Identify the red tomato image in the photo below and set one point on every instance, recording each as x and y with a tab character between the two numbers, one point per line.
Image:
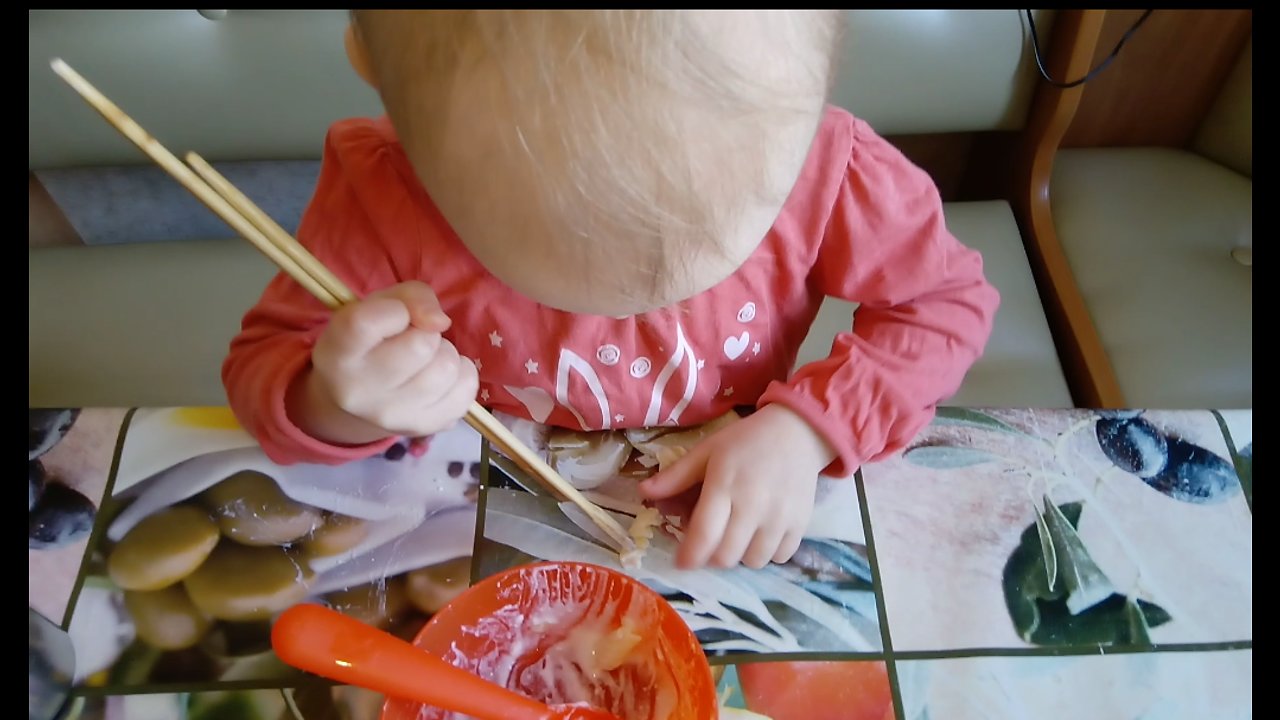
857	690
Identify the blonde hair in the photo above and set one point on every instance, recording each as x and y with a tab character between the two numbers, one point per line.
637	124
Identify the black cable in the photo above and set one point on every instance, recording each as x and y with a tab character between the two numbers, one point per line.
1035	44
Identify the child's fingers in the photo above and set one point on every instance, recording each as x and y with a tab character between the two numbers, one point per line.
710	518
422	304
789	545
463	390
684	474
764	546
441	380
451	407
398	360
436	378
361	328
737	538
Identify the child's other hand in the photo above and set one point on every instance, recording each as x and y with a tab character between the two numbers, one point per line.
758	481
383	360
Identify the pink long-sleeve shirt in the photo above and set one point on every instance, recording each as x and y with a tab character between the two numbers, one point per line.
862	224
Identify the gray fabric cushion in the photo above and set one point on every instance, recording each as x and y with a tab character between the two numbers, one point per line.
1020	367
1149	234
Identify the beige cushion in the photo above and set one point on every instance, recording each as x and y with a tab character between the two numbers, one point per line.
1020	367
138	324
1149	234
1226	134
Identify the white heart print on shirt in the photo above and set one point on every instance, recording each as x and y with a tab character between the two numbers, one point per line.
735	346
538	401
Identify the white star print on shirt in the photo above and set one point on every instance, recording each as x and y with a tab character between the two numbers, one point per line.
728	391
531	366
495	339
701	362
619	418
484	395
756	349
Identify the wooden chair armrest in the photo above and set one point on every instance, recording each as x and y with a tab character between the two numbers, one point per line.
1085	362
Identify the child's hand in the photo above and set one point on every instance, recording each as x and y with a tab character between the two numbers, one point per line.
383	361
758	481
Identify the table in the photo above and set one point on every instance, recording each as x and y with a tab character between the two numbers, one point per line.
1009	563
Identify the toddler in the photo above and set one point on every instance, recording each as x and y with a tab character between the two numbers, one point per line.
618	219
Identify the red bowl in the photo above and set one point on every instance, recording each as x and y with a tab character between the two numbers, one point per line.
512	628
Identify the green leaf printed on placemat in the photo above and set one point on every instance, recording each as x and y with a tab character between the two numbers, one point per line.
1084	581
1040	612
947	457
967	417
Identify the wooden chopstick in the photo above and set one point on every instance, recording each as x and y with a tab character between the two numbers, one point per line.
238	211
181	173
271	229
477	416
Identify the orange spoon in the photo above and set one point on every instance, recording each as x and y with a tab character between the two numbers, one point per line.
327	643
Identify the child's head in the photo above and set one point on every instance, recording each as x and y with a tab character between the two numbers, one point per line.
604	162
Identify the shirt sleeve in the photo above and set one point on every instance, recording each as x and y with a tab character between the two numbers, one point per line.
924	316
277	334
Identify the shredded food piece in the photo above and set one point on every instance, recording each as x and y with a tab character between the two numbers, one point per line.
641	531
631	559
642	527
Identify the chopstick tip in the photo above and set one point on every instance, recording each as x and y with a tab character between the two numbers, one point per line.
65	71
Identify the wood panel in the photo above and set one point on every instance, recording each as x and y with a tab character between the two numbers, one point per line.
1084	359
1162	83
990	173
945	156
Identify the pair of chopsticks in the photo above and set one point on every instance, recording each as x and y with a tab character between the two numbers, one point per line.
238	211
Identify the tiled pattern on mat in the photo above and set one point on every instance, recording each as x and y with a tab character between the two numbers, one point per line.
1007	564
